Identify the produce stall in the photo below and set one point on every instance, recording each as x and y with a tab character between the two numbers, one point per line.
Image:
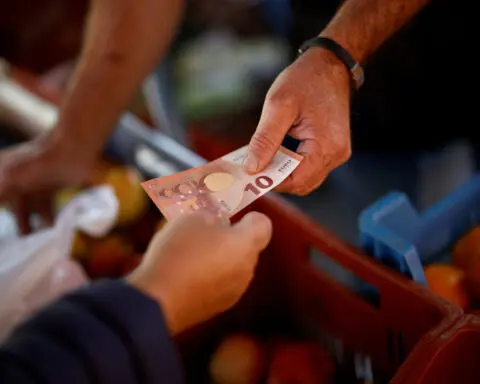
296	322
437	247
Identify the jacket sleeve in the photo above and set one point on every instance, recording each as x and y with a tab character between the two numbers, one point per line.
106	333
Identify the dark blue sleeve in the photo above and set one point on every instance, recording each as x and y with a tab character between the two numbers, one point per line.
106	333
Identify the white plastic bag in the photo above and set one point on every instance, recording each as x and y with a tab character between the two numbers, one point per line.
36	269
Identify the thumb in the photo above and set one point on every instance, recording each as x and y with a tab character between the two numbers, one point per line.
275	122
254	228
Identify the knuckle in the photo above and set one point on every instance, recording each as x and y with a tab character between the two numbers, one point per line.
280	99
345	153
262	141
305	189
302	189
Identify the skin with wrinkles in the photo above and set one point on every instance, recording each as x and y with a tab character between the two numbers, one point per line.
310	100
125	39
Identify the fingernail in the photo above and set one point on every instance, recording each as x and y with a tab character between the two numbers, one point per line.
250	164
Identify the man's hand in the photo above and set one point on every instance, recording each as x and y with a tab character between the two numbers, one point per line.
31	173
199	266
310	101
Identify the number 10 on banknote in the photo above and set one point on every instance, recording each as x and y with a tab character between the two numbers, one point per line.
221	187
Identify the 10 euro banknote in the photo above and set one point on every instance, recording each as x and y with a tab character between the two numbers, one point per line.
221	187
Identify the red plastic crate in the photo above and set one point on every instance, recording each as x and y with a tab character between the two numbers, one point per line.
289	295
451	358
405	330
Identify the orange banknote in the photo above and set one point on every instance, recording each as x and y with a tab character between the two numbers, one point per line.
221	187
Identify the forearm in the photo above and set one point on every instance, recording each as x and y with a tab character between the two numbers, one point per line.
128	325
124	41
361	26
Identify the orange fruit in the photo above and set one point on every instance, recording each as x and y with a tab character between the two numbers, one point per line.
240	359
448	282
132	199
64	196
79	246
473	279
467	250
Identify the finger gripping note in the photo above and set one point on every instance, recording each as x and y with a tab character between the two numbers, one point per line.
221	187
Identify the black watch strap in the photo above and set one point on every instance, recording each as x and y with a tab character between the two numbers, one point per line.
355	69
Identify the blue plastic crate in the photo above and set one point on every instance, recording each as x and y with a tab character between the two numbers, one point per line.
396	233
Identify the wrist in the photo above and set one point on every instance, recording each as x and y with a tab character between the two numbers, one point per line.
156	291
330	65
342	37
64	142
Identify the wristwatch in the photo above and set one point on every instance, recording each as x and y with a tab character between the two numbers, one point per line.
355	69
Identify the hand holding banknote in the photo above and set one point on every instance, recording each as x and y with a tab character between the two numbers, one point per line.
200	265
309	101
221	187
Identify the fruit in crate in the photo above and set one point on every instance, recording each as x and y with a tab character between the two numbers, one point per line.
108	257
132	200
239	359
80	246
473	279
299	362
467	250
466	255
449	282
130	264
64	196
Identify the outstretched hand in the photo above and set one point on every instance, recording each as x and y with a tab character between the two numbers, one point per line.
310	101
199	265
31	174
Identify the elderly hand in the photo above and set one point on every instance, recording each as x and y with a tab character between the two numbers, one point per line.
310	101
199	266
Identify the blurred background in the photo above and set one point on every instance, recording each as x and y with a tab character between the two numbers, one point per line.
220	99
208	92
413	131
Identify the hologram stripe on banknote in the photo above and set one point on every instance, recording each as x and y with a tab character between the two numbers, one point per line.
221	187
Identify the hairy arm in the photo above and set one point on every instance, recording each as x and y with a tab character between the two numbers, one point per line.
124	40
361	26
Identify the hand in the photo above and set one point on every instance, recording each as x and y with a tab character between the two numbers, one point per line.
310	101
31	173
199	266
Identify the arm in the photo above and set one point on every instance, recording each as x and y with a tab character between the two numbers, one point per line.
310	100
361	26
124	41
111	332
107	333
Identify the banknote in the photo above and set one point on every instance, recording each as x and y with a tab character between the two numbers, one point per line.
221	187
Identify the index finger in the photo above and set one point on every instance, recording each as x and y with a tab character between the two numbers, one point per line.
275	121
313	169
